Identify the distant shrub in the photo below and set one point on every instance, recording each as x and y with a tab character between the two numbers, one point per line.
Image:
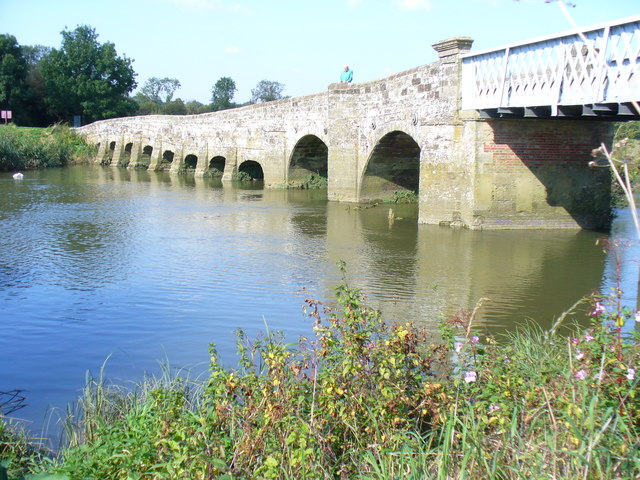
31	148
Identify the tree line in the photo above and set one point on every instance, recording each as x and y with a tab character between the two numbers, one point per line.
43	85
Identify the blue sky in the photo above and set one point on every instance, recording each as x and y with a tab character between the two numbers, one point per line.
303	44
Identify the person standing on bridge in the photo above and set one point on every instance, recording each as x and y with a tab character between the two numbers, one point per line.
347	75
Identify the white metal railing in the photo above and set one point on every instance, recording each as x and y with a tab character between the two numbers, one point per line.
597	64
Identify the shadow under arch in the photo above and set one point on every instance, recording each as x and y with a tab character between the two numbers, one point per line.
190	162
216	166
308	163
167	160
249	170
393	169
145	157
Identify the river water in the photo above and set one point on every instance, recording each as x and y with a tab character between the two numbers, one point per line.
133	268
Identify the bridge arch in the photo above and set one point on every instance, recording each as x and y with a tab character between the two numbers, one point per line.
167	160
145	156
308	162
216	166
110	154
125	157
250	170
392	169
190	162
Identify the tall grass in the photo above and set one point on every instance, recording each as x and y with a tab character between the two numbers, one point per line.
30	148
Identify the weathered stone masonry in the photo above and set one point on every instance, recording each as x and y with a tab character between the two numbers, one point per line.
401	132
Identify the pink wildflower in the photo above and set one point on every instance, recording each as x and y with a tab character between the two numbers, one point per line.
574	341
588	338
599	309
475	339
458	347
579	355
581	374
470	377
631	374
638	316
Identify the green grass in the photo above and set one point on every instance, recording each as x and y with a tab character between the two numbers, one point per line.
30	148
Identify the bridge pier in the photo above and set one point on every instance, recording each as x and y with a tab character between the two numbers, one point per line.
178	160
343	142
116	153
136	150
156	157
519	174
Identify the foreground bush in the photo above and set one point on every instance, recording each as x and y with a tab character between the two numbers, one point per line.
30	148
363	399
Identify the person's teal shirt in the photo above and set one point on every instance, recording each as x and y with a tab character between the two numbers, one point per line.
346	76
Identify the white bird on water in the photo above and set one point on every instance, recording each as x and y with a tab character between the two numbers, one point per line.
18	176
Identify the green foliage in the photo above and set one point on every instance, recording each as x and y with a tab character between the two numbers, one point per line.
87	78
630	130
13	72
222	93
267	91
310	182
160	90
241	177
19	453
403	196
23	148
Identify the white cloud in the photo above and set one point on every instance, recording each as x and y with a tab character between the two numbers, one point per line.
414	4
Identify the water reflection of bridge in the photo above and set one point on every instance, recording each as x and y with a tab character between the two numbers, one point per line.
412	272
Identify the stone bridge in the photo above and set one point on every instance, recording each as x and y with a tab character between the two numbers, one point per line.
406	132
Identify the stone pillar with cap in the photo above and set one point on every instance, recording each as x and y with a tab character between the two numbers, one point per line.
449	50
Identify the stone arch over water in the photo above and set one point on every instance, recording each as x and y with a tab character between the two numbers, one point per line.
167	159
393	168
125	158
250	170
216	166
309	159
190	162
145	157
110	153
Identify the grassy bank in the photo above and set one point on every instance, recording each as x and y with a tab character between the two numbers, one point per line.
31	148
367	400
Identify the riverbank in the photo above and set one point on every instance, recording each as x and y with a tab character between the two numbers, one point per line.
24	148
363	399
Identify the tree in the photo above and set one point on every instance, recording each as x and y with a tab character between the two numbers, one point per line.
222	93
156	86
175	107
267	91
34	111
87	78
194	107
13	72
